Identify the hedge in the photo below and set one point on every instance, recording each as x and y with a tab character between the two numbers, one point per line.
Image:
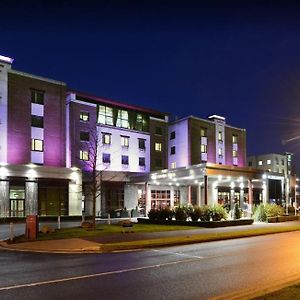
208	224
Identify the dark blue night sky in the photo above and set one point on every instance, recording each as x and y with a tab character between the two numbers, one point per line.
237	59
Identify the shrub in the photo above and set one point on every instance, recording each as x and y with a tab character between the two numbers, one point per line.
205	213
218	212
165	213
180	213
260	213
153	214
273	210
195	213
236	213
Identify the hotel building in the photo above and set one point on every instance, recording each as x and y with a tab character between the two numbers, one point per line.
34	178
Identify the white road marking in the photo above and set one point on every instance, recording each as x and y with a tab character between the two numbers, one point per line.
33	284
178	254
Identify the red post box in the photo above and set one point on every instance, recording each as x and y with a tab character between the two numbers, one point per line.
32	227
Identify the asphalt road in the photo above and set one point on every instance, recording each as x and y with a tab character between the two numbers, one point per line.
196	271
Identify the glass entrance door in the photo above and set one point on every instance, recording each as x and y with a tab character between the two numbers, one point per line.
17	208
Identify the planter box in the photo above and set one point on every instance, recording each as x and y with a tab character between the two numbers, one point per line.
208	224
282	219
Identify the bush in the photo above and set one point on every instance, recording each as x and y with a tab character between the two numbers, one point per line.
153	214
195	213
218	212
236	213
260	213
180	213
273	210
205	213
165	213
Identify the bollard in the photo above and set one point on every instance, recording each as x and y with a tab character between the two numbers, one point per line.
108	219
58	221
11	231
82	218
129	216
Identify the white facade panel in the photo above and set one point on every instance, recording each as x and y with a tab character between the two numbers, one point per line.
180	142
37	109
37	133
3	110
37	157
116	150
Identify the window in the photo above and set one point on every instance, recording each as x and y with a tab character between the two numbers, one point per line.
37	97
268	161
124	141
122	120
277	161
260	162
220	152
234	153
203	132
220	136
105	115
203	148
37	145
157	146
282	162
250	163
234	139
84	116
37	121
83	155
173	150
84	136
158	163
142	122
106	138
173	165
106	158
142	161
176	197
172	135
158	130
124	160
142	144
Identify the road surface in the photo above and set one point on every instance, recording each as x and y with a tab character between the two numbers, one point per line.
197	271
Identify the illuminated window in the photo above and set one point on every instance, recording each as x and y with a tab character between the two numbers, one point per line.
157	146
37	145
37	97
122	120
84	136
260	162
203	148
83	155
268	161
220	152
125	141
37	121
173	150
106	158
105	115
234	153
173	165
234	139
203	132
106	138
142	122
220	136
84	116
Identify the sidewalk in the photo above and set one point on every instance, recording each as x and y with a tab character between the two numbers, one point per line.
131	241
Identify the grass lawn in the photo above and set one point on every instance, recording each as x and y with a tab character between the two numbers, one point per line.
103	229
291	292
